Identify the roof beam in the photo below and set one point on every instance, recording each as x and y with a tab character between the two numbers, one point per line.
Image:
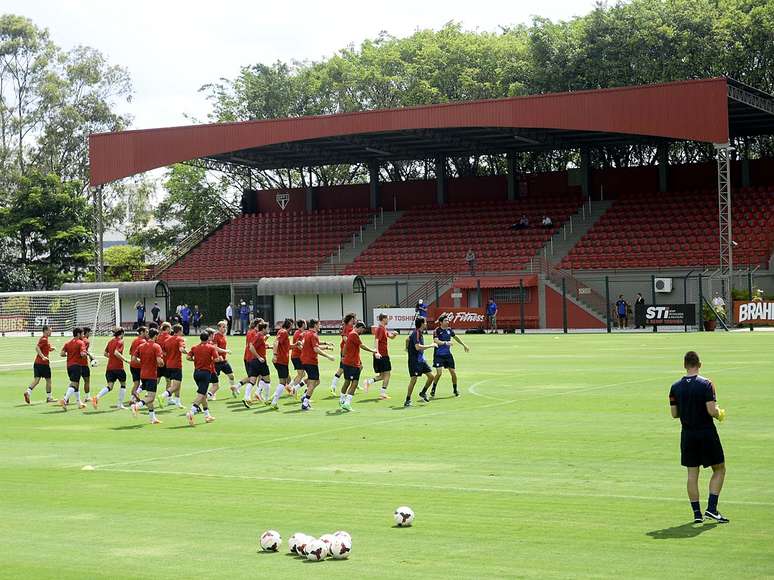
751	99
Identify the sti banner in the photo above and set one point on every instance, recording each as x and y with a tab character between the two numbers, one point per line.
759	313
466	318
397	318
670	315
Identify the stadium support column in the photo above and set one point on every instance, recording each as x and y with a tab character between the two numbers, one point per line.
510	159
726	271
585	168
662	154
373	182
99	226
440	180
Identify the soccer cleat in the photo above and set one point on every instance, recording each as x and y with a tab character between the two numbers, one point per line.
63	404
121	406
306	405
432	393
274	406
456	393
717	516
346	407
423	396
247	403
81	405
384	397
209	418
50	400
698	520
179	405
94	402
407	403
190	418
26	397
133	407
155	421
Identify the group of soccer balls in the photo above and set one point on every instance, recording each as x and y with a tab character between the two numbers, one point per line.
337	545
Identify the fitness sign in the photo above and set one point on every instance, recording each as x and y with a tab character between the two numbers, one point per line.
758	312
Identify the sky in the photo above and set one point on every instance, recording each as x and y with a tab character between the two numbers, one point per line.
171	48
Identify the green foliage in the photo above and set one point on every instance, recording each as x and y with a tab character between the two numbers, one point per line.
121	261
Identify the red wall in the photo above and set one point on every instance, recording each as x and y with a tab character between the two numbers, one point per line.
626	179
503	310
407	194
576	316
341	196
267	201
488	188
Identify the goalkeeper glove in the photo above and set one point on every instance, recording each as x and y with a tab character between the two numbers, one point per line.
721	414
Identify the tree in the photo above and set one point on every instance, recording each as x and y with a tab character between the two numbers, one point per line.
122	261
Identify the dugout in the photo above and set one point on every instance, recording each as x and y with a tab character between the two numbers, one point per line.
326	298
129	293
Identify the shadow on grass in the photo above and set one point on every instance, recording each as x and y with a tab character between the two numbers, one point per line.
186	426
689	530
362	401
127	427
101	412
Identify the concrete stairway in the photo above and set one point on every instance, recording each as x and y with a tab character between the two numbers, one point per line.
337	262
563	241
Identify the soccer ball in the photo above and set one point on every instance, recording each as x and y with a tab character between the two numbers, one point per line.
302	544
341	546
293	542
343	533
94	363
270	541
327	539
316	550
404	516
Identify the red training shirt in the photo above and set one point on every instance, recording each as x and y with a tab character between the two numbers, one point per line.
161	340
204	355
148	353
351	355
308	354
75	350
46	348
220	341
172	353
283	347
136	343
249	338
380	334
344	334
295	351
114	363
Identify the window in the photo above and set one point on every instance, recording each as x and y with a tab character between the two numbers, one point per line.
510	295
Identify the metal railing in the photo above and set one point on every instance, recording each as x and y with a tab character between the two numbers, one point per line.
427	289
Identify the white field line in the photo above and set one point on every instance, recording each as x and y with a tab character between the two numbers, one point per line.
420	486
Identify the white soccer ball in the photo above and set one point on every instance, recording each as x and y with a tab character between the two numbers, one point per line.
404	516
271	541
327	539
343	533
341	546
302	544
94	363
293	542
316	550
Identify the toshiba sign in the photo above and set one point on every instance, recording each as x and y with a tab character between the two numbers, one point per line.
754	312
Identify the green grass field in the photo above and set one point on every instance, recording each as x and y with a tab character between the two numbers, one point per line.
559	460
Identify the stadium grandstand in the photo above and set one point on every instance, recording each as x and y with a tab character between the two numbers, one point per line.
611	230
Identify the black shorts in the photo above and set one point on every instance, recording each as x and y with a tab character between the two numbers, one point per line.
282	371
74	373
223	367
85	371
417	369
162	372
443	360
351	373
247	367
174	374
258	368
111	376
149	385
135	374
382	365
701	447
202	379
297	364
40	371
312	372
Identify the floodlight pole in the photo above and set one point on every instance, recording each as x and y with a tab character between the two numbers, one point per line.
99	234
726	271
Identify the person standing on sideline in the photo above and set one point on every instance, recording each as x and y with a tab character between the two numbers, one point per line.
470	258
140	308
621	307
185	319
491	315
693	400
420	310
639	311
156	313
229	318
197	316
41	368
416	361
244	317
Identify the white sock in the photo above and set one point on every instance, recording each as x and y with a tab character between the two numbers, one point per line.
335	381
266	390
167	394
29	390
349	399
342	398
103	392
384	390
176	400
194	409
78	393
277	393
248	391
152	415
140	404
121	395
68	394
207	412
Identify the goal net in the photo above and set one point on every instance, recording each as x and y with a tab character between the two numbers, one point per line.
24	314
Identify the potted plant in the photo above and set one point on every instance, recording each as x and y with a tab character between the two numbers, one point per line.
708	315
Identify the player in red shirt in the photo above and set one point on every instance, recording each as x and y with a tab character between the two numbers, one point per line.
346	329
150	357
85	366
75	351
134	368
258	367
309	351
382	366
281	361
295	357
41	369
205	356
352	365
222	366
248	356
174	349
165	331
114	371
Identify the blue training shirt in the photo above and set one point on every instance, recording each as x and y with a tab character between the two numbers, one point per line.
444	335
491	308
414	339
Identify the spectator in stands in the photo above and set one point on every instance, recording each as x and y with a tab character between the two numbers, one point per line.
140	307
244	317
229	318
639	311
185	318
470	258
197	319
547	222
156	313
522	224
491	315
622	308
421	309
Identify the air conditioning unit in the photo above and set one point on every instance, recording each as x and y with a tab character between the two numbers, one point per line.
663	285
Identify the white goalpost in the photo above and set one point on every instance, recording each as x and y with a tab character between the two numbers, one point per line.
24	314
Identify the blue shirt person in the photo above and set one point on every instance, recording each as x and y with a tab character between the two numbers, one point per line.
421	309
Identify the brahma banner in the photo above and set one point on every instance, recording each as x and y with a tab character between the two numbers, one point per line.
759	313
466	318
397	318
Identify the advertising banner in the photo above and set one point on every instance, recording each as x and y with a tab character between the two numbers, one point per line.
757	312
397	318
670	315
466	318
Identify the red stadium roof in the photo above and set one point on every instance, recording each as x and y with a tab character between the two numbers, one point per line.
709	110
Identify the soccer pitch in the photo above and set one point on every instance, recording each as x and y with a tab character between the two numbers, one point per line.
559	460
